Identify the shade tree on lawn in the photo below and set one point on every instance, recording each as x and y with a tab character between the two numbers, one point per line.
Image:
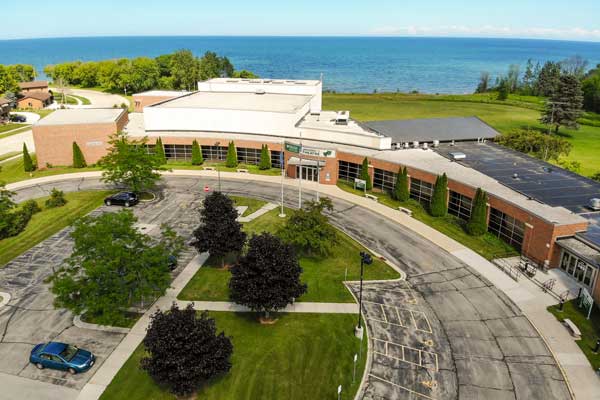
219	232
113	266
185	350
267	277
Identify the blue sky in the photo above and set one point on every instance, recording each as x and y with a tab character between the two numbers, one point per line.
571	20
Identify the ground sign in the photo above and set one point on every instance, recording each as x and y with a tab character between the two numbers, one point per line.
586	301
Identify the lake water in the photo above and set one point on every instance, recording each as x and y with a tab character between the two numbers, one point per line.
358	64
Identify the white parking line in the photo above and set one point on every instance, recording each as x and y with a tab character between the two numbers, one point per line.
402	387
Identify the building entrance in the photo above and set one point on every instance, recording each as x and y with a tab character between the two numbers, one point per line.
308	173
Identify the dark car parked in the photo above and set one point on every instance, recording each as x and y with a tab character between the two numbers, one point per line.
18	118
61	356
126	199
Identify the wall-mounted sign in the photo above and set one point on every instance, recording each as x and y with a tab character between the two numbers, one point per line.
95	143
292	147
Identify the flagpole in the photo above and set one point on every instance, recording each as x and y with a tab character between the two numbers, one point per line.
281	162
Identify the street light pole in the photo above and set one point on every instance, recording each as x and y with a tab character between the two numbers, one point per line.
282	162
300	176
218	144
365	258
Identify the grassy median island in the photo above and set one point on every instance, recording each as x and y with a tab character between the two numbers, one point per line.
323	275
252	204
49	221
488	245
590	329
301	357
514	113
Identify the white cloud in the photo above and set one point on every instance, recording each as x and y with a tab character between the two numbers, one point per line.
489	31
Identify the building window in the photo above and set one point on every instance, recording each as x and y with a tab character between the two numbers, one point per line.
384	180
348	171
248	156
460	205
577	268
181	152
506	228
214	152
276	159
421	190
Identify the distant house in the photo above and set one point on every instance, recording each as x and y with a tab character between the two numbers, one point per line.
34	100
34	87
4	110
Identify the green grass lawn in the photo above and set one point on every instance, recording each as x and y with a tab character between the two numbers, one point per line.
9	127
12	171
68	99
130	318
49	221
590	329
517	112
301	357
84	100
252	169
324	276
23	128
488	245
252	204
6	156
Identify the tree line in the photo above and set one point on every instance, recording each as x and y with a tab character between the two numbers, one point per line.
11	75
180	70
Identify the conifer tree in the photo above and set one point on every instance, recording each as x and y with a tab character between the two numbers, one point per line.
565	105
439	199
477	224
27	161
400	191
159	151
231	161
197	158
364	173
78	158
265	158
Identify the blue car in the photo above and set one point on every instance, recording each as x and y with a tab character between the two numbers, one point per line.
61	356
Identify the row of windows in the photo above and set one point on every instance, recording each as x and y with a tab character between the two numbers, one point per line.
460	205
384	180
183	152
348	171
507	228
421	190
578	269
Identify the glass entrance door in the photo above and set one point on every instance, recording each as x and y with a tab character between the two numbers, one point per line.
307	173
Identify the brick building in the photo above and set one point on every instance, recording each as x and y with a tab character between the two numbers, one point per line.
34	87
34	100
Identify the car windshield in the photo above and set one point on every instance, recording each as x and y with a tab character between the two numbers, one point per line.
69	352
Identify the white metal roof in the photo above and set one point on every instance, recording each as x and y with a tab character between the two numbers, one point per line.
274	82
78	116
162	93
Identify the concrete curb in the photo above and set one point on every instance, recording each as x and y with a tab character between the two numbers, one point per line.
95	327
5	299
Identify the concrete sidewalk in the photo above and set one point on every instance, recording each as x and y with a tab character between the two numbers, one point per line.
300	307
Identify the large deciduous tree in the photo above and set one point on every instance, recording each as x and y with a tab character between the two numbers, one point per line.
184	70
401	192
113	266
267	277
308	229
477	224
439	198
537	144
219	232
565	105
185	350
591	91
129	163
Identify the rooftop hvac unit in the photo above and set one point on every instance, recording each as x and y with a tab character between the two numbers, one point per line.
342	117
595	204
457	155
260	91
406	145
416	144
425	146
436	143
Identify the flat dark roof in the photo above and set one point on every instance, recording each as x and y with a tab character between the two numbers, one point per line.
592	235
536	179
428	130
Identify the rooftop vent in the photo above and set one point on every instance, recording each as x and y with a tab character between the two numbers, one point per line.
595	204
342	117
260	91
457	155
515	176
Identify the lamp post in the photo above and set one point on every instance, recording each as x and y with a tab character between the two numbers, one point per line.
217	144
365	258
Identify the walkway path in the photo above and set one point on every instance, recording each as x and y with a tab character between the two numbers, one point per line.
434	276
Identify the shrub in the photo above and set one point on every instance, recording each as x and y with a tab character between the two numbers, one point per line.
439	199
477	224
401	192
57	199
78	159
28	165
232	160
364	173
596	177
265	158
31	207
197	158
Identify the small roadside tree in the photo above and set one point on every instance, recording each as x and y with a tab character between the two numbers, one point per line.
364	173
267	278
219	232
265	158
129	163
401	192
439	198
185	351
56	199
197	158
28	165
159	151
308	230
477	224
113	266
565	105
78	158
231	161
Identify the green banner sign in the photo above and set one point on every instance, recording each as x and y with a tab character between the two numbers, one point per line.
292	147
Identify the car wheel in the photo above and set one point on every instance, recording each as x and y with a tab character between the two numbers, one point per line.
72	371
107	202
39	365
126	204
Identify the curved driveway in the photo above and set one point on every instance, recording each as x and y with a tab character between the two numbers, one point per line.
445	333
